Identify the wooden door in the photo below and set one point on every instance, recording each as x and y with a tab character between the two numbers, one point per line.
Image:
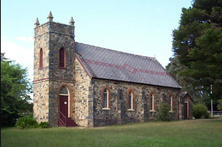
64	105
185	110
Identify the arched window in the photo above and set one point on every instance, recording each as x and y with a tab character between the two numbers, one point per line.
130	99
152	101
62	58
171	101
106	96
40	59
63	91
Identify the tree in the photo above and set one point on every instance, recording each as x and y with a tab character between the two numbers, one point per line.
219	105
197	43
15	90
174	68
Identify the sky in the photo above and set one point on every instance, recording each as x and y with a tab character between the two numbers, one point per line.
142	27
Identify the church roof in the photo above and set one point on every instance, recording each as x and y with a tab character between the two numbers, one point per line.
109	64
183	94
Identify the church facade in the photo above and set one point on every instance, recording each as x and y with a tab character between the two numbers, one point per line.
77	84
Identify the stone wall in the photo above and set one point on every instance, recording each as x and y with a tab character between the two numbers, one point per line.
41	101
41	41
41	81
119	114
61	35
51	37
82	84
181	109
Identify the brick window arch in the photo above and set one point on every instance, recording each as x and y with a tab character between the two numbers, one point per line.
170	101
106	97
130	99
152	101
41	59
62	58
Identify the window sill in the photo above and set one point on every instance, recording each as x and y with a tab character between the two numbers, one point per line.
62	67
131	110
106	109
171	111
152	111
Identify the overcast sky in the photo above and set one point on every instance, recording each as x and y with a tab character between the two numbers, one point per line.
142	27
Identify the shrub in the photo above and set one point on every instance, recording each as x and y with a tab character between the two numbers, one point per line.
207	115
26	122
199	110
163	112
219	105
43	125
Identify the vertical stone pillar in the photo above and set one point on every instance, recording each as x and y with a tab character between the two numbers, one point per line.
90	116
119	101
143	102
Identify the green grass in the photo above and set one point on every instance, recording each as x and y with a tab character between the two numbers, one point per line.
192	133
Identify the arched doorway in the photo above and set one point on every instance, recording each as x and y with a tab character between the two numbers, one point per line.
64	101
186	108
64	108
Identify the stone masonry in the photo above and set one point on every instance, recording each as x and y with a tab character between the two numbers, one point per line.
84	92
51	37
141	113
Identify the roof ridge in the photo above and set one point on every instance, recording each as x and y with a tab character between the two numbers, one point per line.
153	58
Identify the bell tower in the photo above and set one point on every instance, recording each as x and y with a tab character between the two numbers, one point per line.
54	46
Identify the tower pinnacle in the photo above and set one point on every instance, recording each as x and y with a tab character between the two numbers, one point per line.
71	22
37	22
50	17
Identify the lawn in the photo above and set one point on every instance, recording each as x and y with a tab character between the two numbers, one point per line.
203	132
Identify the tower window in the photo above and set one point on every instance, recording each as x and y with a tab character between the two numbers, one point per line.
62	58
41	59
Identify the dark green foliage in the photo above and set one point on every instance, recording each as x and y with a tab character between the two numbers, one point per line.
199	110
197	44
43	125
174	68
15	88
207	115
163	112
219	105
26	122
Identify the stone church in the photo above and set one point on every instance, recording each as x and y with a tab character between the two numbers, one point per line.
77	84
